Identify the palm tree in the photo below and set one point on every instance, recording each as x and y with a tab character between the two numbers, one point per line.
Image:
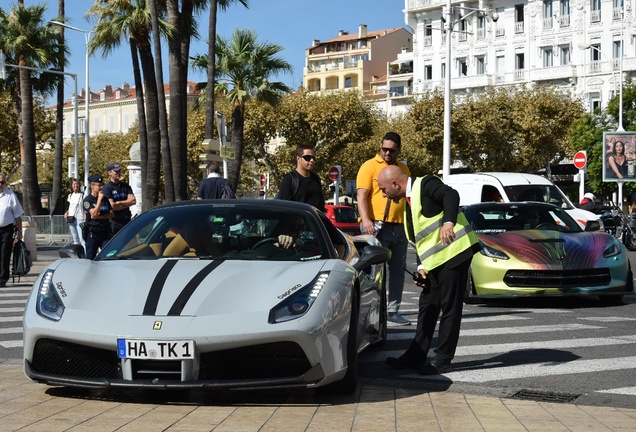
56	206
209	95
125	20
243	69
26	38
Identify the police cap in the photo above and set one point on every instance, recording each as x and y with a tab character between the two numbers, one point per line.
95	179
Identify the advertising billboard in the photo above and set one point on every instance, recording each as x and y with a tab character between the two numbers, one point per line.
620	156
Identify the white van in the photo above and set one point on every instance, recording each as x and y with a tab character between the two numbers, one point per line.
510	187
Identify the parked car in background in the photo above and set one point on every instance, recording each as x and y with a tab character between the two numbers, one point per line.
537	249
345	218
512	187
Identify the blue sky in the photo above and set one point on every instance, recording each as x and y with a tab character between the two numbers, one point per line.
293	24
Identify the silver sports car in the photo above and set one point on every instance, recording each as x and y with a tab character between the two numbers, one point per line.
227	294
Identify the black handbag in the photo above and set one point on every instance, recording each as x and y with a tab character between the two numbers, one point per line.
70	219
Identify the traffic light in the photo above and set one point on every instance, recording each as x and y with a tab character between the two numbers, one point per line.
261	193
332	187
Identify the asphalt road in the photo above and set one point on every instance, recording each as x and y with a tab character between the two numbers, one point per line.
569	349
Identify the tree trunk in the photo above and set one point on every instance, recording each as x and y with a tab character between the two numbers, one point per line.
238	121
161	100
153	167
209	95
30	183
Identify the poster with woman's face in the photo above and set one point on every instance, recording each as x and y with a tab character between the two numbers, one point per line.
620	156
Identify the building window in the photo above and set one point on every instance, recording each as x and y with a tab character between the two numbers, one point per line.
428	72
481	65
519	18
96	125
111	124
595	102
443	70
564	9
547	14
500	68
595	11
462	35
616	53
519	66
428	35
481	27
564	55
548	57
81	127
462	67
347	82
500	29
126	122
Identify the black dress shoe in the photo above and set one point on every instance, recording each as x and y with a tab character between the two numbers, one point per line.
435	367
402	362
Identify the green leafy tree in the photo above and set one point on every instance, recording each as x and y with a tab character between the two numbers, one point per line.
629	106
27	40
244	68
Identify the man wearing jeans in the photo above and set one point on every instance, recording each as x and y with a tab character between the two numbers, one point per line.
376	210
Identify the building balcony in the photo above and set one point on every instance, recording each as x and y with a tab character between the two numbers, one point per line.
552	73
564	20
519	27
471	81
595	16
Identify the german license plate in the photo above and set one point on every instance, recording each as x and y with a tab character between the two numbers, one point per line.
155	349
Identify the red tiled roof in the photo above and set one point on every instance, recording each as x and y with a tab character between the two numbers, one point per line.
354	36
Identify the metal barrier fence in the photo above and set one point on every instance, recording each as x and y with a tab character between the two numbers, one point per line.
48	225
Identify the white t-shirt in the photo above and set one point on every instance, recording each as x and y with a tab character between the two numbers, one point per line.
10	208
75	205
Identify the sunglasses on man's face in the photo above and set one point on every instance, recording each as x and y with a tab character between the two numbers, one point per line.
388	150
308	157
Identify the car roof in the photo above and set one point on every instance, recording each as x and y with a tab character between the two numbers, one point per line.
273	203
515	204
506	178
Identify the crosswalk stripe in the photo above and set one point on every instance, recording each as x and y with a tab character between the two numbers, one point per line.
12	310
501	373
631	391
12	344
11	330
12	302
19	294
527	329
17	318
607	319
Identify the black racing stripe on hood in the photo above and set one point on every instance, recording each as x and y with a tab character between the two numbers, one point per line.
180	302
150	308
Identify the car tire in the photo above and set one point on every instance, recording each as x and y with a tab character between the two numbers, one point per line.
349	383
470	290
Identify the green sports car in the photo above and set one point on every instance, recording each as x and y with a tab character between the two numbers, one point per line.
537	249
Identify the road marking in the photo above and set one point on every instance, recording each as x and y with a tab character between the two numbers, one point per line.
528	329
474	350
539	311
608	319
19	294
12	344
12	302
18	309
16	318
11	330
493	372
631	391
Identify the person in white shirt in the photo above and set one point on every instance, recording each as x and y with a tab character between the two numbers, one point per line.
10	222
74	216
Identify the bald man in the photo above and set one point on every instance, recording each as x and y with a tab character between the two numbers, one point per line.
445	244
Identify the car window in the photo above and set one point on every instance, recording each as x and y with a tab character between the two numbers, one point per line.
540	193
219	232
345	215
505	218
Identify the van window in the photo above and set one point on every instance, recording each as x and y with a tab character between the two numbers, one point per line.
490	194
541	193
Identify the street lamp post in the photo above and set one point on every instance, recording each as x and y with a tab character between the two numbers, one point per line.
446	157
87	100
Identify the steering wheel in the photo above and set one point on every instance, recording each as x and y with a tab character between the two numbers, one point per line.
265	241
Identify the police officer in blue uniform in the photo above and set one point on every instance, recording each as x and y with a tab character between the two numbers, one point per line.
121	197
97	213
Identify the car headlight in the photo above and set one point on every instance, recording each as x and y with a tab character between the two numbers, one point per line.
491	252
49	305
298	303
611	251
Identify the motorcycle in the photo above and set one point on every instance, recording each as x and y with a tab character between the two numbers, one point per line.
619	225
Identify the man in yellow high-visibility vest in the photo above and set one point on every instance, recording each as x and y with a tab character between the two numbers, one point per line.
445	244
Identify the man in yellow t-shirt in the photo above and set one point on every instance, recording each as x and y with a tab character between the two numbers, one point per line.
372	207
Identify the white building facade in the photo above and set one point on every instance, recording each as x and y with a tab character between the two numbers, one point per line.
573	44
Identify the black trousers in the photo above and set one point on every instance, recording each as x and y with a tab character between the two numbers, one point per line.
448	286
6	248
96	241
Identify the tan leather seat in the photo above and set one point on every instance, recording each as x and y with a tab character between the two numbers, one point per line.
177	247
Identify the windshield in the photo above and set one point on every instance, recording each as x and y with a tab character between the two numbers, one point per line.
345	215
541	193
218	232
498	218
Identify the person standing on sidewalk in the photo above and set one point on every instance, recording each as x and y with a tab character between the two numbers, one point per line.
445	244
121	197
302	184
97	212
74	216
10	223
375	210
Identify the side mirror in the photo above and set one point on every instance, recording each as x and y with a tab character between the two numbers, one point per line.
372	255
72	251
592	225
